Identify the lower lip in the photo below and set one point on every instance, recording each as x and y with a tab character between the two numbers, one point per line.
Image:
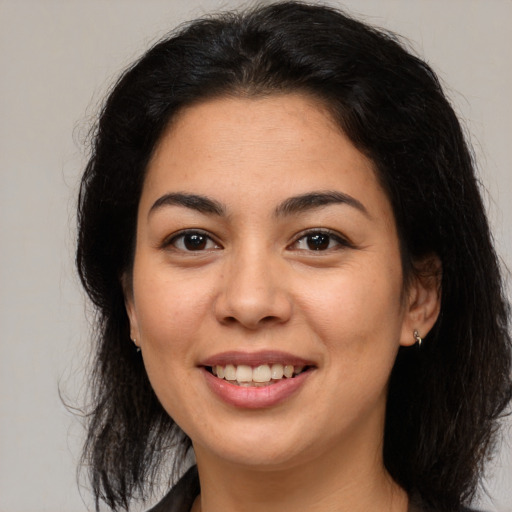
255	397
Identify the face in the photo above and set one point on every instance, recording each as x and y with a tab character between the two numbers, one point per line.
267	292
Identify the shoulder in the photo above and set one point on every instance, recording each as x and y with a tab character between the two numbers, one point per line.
181	497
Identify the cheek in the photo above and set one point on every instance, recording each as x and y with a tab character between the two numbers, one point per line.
356	302
168	309
357	317
361	332
171	315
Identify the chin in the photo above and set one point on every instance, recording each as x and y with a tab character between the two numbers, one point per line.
258	447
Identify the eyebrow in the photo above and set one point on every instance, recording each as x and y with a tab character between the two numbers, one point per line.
196	202
290	206
312	200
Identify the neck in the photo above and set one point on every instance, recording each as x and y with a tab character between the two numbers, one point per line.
336	482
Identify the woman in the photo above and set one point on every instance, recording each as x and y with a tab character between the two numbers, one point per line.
281	213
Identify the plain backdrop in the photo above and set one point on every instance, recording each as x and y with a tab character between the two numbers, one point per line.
57	59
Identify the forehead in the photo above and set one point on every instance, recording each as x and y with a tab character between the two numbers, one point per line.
257	147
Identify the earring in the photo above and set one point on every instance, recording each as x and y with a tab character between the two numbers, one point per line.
136	346
418	338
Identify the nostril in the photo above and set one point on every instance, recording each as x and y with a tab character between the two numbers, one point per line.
269	319
251	323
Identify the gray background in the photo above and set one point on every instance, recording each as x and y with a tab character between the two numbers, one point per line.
57	59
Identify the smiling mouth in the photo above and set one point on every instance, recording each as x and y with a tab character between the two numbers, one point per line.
257	376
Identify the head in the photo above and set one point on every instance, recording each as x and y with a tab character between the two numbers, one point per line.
389	107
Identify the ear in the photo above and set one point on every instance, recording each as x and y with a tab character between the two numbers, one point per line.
423	300
126	283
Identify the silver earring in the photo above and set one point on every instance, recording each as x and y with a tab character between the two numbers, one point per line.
136	346
417	337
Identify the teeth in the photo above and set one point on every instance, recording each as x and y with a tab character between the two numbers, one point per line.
277	371
261	375
288	371
243	373
229	372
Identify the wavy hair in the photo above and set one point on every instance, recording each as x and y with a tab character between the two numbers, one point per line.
445	399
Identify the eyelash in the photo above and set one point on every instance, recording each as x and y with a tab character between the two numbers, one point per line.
206	238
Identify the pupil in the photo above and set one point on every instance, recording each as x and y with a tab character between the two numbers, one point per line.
318	242
195	242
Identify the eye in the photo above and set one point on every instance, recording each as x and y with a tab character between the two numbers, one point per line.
320	240
193	241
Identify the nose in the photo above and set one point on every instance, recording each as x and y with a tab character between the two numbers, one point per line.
253	292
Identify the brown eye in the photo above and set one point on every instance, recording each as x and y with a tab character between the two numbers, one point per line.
193	241
318	241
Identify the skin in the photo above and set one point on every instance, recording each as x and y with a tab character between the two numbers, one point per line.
255	284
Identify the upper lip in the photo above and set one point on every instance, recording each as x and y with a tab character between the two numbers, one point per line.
255	359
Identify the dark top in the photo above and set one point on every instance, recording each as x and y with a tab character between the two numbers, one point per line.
182	496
